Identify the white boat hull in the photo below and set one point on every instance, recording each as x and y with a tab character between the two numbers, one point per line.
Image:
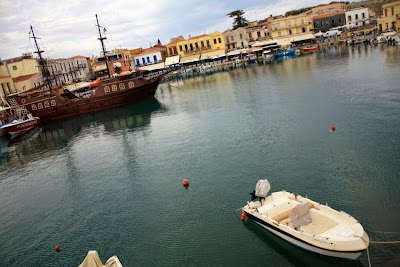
322	230
303	245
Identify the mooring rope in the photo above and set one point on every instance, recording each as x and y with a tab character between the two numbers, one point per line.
369	261
381	232
385	242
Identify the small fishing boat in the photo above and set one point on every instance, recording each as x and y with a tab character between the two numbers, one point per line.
290	52
20	125
310	49
306	223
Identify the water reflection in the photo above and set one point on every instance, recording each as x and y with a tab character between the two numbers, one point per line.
56	135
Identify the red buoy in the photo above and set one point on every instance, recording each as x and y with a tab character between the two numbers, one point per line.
243	216
185	182
333	128
58	248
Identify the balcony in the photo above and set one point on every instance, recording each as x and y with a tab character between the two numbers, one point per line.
81	66
57	72
74	69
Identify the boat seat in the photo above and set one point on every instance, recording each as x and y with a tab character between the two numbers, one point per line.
285	215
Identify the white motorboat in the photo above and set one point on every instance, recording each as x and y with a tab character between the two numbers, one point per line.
306	223
93	260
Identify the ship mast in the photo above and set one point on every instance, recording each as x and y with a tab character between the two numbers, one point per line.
101	38
42	63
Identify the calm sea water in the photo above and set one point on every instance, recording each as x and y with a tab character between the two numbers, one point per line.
112	181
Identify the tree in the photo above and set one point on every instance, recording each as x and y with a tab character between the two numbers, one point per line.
239	20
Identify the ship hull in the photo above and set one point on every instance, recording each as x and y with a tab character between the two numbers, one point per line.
109	94
19	127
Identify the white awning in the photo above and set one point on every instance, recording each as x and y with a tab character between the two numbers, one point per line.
117	65
190	59
233	53
213	54
76	86
153	67
255	49
303	37
100	67
172	60
264	43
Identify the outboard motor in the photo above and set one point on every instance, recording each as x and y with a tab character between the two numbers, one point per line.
262	189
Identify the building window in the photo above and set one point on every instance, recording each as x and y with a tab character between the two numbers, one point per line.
208	43
155	58
191	46
315	26
385	12
250	35
233	45
258	34
232	38
180	48
61	66
215	41
137	62
175	52
392	11
356	16
219	40
322	23
340	20
349	18
333	21
242	44
363	15
14	67
170	51
186	47
327	23
65	66
290	32
143	61
148	59
202	43
241	36
196	45
303	29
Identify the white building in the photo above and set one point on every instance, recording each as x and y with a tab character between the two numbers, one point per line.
148	57
69	70
357	17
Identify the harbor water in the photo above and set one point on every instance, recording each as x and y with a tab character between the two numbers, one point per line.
112	181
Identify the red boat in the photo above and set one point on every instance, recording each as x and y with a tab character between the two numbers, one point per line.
309	49
21	125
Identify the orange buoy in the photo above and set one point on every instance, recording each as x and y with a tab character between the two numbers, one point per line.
58	248
185	182
333	128
243	216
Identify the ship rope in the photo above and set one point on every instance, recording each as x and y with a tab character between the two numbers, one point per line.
380	242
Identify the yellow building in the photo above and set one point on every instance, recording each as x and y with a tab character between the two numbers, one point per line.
6	86
290	25
205	45
390	17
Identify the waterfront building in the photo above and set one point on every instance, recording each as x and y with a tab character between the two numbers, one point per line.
24	70
291	25
357	17
6	86
257	32
390	17
69	70
126	54
133	53
329	8
151	58
205	45
235	39
116	63
327	21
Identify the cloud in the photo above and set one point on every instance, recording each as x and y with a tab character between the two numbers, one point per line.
67	28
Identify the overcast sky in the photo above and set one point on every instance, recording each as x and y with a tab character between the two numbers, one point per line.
67	28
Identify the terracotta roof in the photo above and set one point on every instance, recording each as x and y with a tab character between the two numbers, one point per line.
161	46
78	57
327	15
2	77
23	78
198	36
176	40
148	51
